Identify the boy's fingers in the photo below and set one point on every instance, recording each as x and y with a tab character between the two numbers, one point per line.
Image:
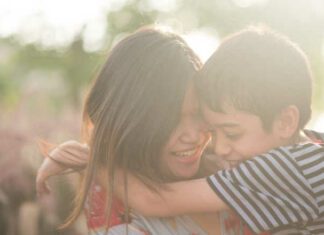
74	145
68	154
50	168
76	154
46	170
72	157
42	186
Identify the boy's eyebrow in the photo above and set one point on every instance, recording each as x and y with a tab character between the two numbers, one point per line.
224	125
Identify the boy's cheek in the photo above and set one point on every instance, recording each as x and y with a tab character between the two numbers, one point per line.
246	150
250	150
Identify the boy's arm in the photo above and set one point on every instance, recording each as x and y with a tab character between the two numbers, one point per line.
174	199
268	192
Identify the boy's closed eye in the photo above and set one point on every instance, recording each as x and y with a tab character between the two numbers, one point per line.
232	132
229	134
233	135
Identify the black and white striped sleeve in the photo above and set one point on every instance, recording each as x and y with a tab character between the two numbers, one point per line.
269	191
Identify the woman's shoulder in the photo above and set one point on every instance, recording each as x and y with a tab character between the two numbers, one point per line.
95	208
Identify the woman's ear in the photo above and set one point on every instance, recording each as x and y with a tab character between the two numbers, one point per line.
287	122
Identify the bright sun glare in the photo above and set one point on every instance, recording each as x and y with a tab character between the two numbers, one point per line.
203	42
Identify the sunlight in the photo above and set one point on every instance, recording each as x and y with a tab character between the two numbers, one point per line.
318	123
204	42
54	23
163	5
247	3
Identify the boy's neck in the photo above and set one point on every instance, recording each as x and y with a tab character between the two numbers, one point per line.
299	137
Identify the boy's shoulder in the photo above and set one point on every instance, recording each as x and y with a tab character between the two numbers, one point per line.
307	156
313	141
304	153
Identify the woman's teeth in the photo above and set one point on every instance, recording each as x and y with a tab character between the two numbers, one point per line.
185	154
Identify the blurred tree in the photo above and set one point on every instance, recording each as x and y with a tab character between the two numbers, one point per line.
301	20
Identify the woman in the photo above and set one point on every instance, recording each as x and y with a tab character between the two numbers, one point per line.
145	84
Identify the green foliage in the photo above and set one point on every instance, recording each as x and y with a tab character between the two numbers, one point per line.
301	20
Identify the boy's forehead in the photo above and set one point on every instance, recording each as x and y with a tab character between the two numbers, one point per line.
229	117
226	110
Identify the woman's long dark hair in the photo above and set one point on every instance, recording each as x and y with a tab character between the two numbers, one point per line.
134	105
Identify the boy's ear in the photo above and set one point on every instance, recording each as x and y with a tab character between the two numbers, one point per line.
286	122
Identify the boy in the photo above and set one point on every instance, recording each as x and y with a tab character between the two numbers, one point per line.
256	96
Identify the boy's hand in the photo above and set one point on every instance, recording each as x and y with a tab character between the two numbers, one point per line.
70	154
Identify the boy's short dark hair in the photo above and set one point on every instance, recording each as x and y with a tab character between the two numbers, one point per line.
258	71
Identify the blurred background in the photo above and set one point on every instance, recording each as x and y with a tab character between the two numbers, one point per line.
50	51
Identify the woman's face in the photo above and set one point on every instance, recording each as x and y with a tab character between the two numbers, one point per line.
181	156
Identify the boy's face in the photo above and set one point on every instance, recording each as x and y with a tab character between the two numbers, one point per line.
238	135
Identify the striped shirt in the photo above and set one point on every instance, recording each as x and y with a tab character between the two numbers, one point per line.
281	191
